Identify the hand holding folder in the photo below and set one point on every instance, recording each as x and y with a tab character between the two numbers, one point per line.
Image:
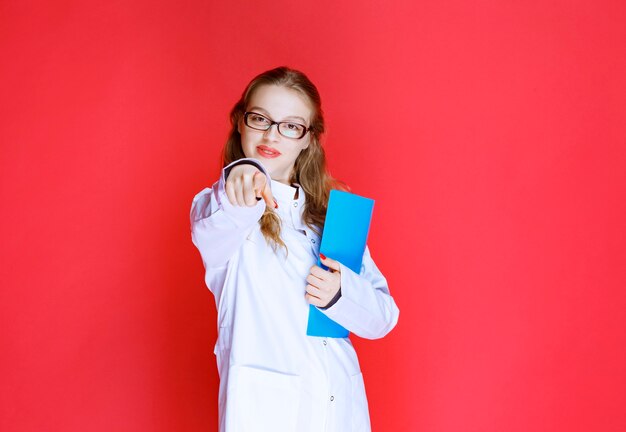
344	239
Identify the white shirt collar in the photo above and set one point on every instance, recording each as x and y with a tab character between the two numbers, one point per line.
289	207
286	194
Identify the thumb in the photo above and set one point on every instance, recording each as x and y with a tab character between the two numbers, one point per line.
262	187
330	263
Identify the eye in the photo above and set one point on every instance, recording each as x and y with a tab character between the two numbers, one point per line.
293	126
258	118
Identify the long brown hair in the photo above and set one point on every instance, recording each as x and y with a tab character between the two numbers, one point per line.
309	171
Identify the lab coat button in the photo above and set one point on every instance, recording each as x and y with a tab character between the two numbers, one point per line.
295	204
324	342
313	241
332	398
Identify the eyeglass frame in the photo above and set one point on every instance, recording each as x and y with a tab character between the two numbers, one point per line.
272	123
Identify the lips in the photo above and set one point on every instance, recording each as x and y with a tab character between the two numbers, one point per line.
267	152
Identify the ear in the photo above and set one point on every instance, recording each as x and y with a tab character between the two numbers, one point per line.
239	124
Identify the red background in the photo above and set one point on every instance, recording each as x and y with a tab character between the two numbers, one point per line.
491	134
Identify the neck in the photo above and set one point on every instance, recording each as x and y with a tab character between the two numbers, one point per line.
281	177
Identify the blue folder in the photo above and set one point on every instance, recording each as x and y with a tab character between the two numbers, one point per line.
344	239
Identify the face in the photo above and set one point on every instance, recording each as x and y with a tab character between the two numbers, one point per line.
277	153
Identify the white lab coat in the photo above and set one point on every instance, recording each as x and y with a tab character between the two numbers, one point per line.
273	377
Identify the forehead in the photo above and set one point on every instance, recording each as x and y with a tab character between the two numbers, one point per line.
281	102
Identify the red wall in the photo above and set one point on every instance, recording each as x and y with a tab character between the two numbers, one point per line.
491	134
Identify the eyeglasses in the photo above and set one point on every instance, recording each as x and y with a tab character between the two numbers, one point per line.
287	129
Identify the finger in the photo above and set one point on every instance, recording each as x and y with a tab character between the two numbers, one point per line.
239	193
313	300
258	180
325	289
313	290
248	191
262	188
314	280
230	193
319	273
330	263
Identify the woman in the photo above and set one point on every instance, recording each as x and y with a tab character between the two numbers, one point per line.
258	232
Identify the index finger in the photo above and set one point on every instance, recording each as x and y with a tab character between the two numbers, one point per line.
262	187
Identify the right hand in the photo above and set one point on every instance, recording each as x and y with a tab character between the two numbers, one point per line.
246	185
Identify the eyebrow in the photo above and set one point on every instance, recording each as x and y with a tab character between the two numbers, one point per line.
256	108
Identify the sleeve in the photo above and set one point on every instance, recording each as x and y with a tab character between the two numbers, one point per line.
218	228
365	306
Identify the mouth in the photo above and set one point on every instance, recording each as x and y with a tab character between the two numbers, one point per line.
267	152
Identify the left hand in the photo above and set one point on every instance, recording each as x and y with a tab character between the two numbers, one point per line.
323	284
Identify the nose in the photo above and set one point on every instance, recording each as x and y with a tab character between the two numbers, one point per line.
272	133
